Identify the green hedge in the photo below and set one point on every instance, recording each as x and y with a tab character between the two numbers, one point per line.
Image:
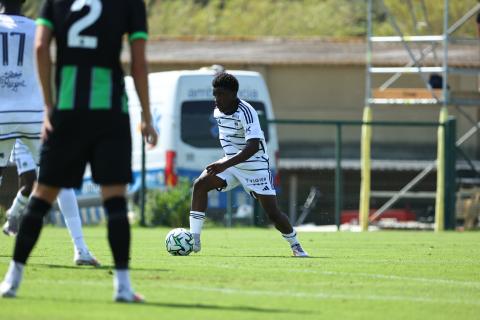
170	207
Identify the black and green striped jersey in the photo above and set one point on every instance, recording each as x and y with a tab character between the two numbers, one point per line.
89	35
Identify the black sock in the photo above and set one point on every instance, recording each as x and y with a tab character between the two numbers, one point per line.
118	230
30	228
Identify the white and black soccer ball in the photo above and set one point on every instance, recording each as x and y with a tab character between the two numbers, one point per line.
179	242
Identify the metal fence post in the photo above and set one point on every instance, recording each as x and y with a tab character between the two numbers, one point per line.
365	154
441	170
229	208
450	173
338	175
293	206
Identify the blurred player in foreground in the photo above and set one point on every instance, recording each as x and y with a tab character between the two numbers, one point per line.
89	122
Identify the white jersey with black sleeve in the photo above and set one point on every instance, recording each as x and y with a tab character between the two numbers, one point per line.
21	102
236	129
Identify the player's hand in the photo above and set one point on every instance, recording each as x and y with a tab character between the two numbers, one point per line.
216	167
47	128
149	134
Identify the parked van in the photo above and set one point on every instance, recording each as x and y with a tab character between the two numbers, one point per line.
182	110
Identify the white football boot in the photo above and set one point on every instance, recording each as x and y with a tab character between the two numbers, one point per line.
85	258
124	295
298	251
8	290
197	244
11	282
10	228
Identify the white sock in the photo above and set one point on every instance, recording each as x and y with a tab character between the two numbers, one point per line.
14	273
196	221
291	238
69	207
121	280
19	203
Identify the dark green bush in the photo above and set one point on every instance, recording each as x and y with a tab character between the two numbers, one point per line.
169	207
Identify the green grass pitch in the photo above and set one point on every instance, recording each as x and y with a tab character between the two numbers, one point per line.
249	274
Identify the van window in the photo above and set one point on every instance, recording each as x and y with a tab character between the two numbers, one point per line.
199	129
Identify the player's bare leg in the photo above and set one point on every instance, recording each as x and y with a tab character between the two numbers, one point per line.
281	222
201	187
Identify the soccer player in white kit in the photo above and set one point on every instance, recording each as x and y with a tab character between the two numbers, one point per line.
245	163
67	201
21	111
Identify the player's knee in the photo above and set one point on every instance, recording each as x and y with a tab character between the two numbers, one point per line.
115	208
273	213
26	190
201	184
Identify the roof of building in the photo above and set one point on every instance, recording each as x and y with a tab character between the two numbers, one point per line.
285	51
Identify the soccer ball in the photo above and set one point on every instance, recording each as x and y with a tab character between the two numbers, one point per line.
179	242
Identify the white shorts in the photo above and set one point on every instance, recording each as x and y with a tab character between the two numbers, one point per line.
23	158
259	181
25	146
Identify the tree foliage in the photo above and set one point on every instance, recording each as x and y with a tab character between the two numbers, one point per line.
297	18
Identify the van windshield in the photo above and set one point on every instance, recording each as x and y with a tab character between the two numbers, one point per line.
199	128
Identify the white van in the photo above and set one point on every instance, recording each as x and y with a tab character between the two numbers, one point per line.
182	111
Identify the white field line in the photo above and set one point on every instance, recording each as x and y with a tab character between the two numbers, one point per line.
323	296
471	284
447	282
269	294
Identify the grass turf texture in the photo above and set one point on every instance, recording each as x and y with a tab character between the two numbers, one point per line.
249	274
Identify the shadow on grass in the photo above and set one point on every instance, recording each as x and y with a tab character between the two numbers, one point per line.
103	267
260	256
222	308
177	305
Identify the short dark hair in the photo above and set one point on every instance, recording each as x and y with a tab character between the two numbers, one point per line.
226	81
11	2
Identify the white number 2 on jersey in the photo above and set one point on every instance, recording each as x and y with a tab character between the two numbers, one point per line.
75	40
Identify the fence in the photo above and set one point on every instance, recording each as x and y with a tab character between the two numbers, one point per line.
445	196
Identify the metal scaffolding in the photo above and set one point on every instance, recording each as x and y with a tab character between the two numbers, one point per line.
427	95
385	95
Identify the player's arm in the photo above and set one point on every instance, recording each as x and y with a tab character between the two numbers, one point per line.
140	78
43	37
250	149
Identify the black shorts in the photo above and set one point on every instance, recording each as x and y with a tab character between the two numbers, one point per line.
100	138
